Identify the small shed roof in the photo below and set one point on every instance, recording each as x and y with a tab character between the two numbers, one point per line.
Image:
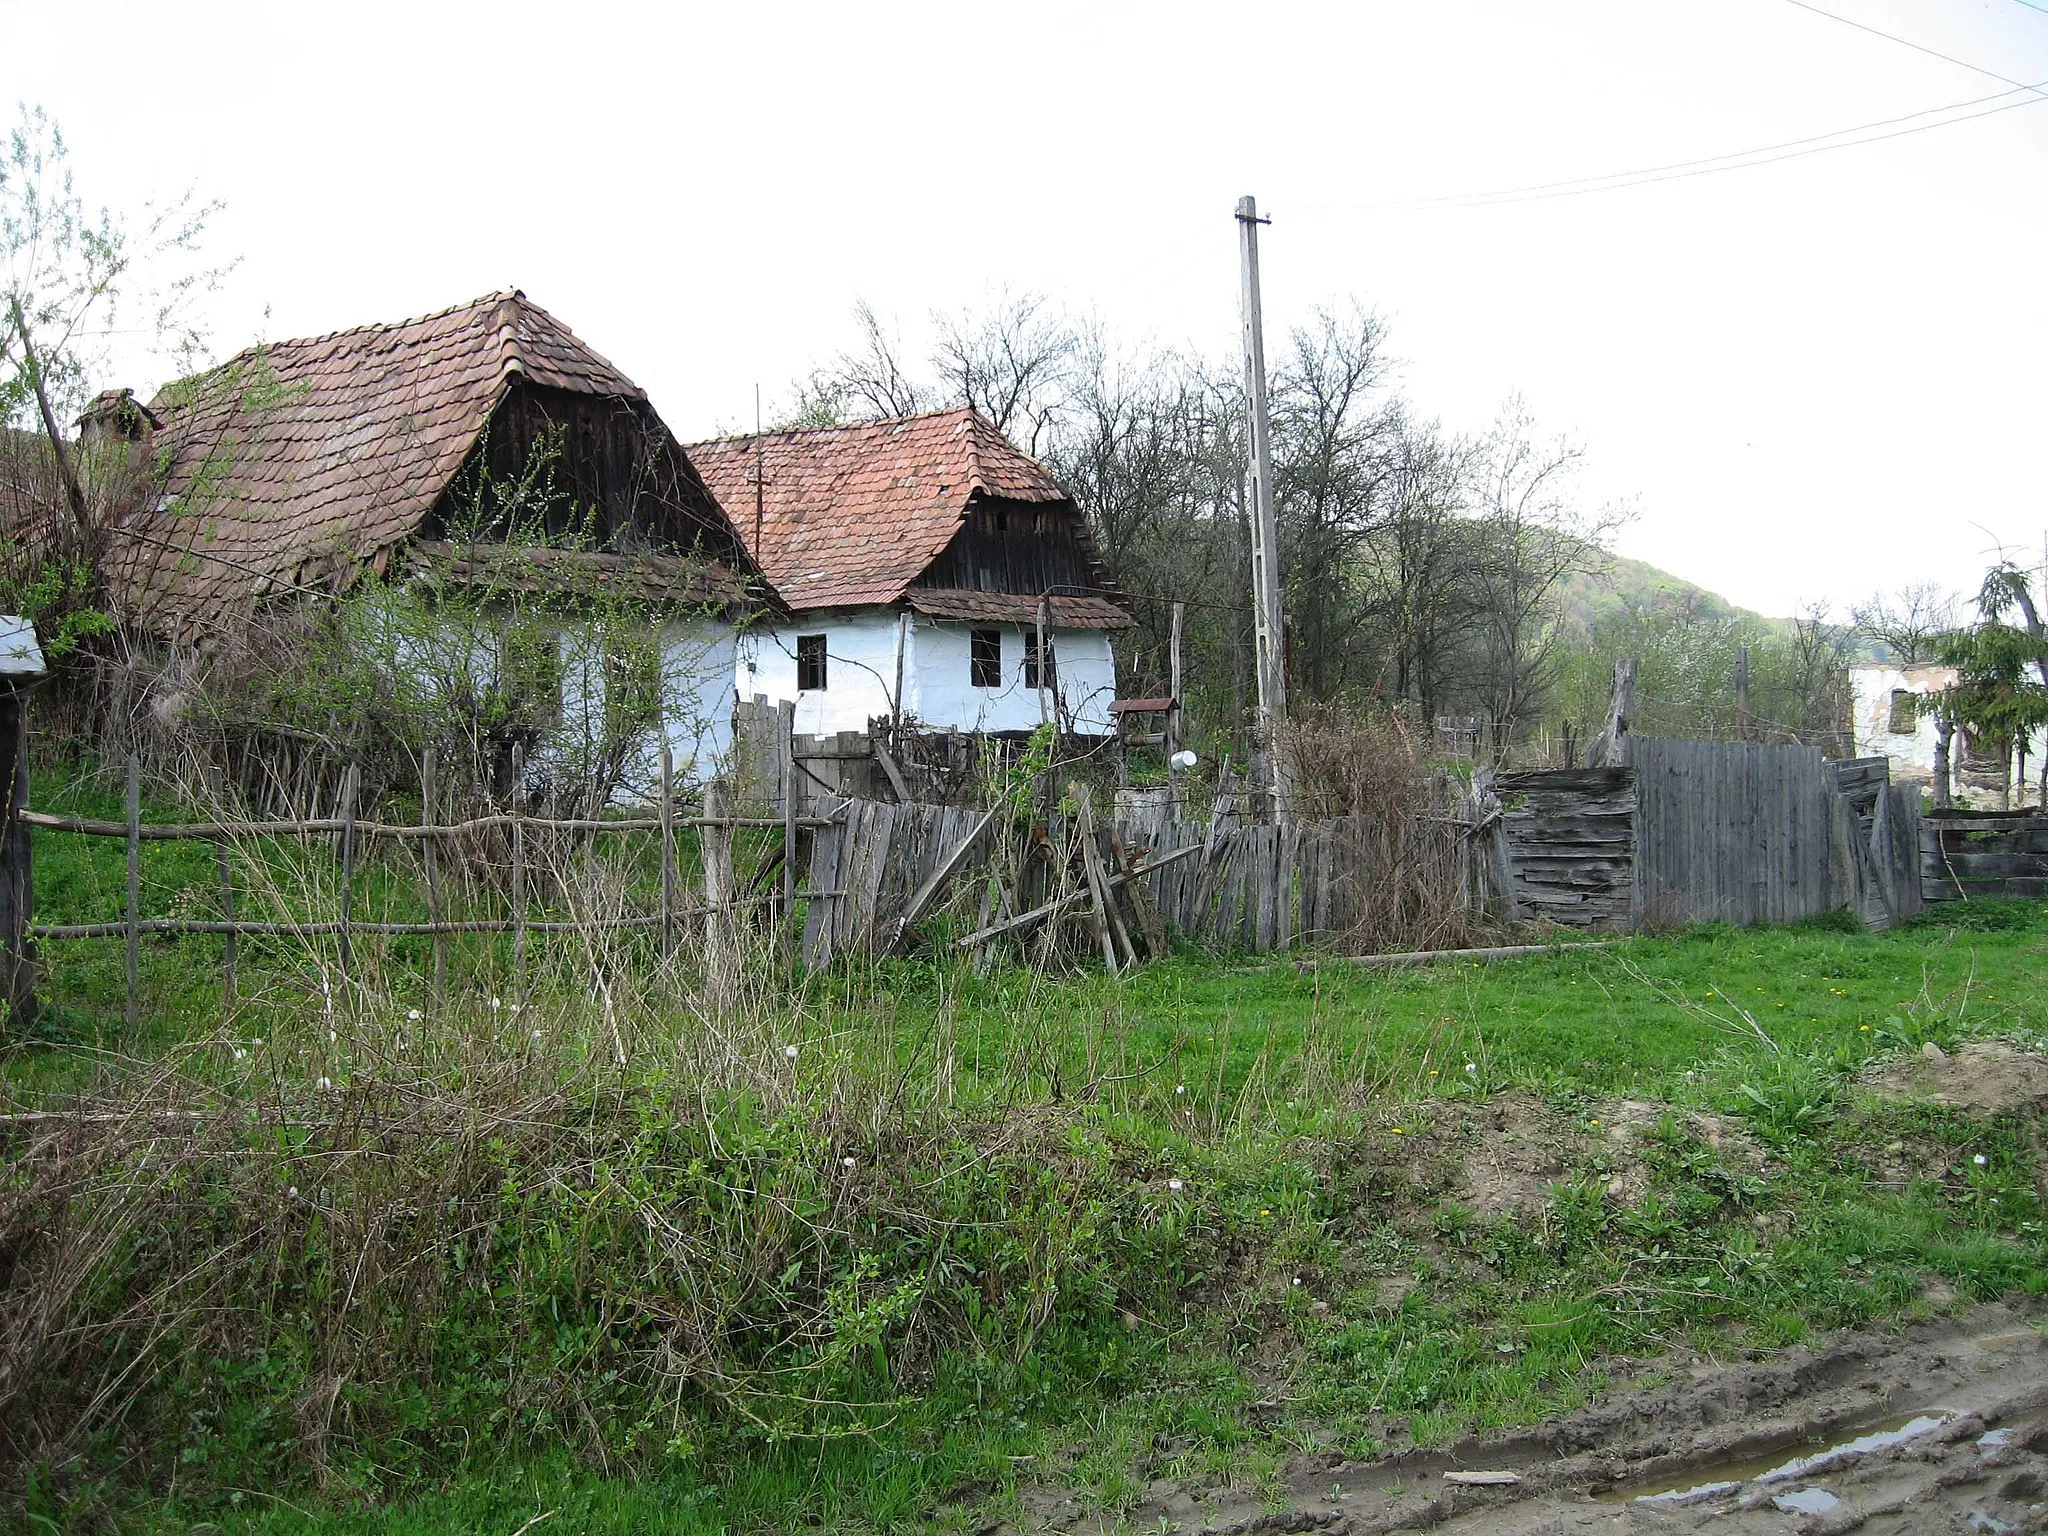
20	656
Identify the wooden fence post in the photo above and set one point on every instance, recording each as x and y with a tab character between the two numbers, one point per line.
785	719
429	816
134	935
231	942
348	867
518	878
668	851
17	872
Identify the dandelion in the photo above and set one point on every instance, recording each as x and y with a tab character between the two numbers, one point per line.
1397	1130
292	1193
846	1162
1980	1160
332	1037
240	1054
323	1085
1862	1029
1432	1071
1264	1213
412	1015
789	1051
1175	1185
1596	1122
1297	1279
1471	1066
257	1043
496	1005
1180	1088
536	1034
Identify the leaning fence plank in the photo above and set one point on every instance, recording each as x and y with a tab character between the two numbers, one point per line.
827	845
785	738
134	933
936	882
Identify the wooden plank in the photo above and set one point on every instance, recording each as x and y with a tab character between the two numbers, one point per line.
936	880
827	843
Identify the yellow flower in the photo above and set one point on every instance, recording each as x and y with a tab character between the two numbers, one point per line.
1862	1029
1397	1130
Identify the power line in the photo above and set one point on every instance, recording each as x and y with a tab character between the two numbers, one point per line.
1903	42
1740	159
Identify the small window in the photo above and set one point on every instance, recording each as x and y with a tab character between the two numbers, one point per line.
985	658
1905	712
1036	676
810	663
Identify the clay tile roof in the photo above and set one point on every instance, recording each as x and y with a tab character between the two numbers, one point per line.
851	515
303	462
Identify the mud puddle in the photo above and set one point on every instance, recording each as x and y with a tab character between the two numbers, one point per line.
1934	1429
1772	1467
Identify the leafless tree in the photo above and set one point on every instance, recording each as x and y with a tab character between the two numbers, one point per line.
1906	622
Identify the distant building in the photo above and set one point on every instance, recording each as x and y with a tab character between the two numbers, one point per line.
1894	716
913	555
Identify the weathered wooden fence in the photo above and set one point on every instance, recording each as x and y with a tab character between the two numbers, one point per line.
1570	839
1875	831
1984	854
1730	831
505	839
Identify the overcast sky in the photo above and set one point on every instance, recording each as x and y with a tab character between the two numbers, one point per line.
1814	378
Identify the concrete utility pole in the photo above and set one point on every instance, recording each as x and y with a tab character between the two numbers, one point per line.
1268	661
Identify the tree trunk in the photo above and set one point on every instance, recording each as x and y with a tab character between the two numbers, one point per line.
17	886
1944	737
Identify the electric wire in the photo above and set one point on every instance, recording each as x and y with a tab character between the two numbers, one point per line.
1644	175
1906	42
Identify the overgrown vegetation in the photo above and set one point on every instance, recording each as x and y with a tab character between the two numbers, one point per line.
890	1249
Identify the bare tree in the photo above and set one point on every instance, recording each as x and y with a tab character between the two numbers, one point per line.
1010	362
1907	622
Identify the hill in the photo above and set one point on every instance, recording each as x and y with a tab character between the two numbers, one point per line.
1624	586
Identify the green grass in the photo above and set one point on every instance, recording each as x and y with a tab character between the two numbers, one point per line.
1018	1290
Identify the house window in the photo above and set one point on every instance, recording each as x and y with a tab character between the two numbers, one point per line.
1905	712
985	658
1036	676
810	663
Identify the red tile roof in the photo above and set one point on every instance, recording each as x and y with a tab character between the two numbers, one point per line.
304	463
1017	608
852	515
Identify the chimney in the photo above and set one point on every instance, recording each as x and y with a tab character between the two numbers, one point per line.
115	416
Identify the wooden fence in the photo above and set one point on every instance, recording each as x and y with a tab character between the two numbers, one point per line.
509	834
1983	854
1570	839
1730	831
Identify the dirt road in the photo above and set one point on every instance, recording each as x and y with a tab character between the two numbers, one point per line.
1940	1429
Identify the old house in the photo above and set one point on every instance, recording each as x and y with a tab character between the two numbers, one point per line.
481	455
919	559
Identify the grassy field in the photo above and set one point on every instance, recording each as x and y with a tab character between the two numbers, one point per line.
903	1248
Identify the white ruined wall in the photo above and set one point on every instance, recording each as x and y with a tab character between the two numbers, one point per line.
1911	753
861	672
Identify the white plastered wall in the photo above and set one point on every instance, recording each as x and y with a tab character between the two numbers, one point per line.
1911	752
861	647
